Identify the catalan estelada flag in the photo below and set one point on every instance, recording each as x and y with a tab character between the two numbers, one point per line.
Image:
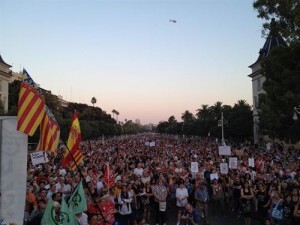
31	106
49	132
73	145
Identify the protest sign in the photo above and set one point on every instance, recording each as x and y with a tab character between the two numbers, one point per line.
233	163
152	144
214	176
194	167
224	168
38	157
251	162
224	150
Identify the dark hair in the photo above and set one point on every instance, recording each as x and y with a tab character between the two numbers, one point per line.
90	216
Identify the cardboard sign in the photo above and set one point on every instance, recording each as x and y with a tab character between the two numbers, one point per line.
251	162
224	150
233	163
214	176
152	144
39	158
224	168
194	167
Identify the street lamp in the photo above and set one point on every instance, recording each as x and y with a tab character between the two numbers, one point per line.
296	112
221	124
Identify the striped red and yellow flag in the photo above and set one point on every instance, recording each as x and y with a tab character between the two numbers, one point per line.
74	153
49	133
78	156
31	106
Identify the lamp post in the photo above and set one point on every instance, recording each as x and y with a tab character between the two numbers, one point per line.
296	112
221	124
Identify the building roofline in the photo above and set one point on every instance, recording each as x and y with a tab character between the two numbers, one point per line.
3	62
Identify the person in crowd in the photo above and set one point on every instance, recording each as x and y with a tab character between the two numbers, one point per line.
191	215
31	202
247	197
37	214
145	199
82	218
288	209
218	198
160	196
125	211
263	202
202	198
236	195
276	209
94	219
182	196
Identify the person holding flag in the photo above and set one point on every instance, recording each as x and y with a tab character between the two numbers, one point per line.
56	214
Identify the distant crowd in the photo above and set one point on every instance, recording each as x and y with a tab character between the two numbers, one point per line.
153	182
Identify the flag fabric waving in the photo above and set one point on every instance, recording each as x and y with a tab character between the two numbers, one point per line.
108	177
66	215
49	214
77	202
78	157
73	144
31	106
49	132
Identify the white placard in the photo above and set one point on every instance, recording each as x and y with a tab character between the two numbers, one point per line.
13	167
214	176
194	167
152	144
251	162
233	163
224	150
39	157
224	168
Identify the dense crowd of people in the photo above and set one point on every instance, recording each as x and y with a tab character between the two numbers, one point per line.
153	182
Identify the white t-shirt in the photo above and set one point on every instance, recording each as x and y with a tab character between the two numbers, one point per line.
138	171
99	185
66	188
181	193
83	220
178	170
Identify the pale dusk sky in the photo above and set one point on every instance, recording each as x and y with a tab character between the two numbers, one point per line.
129	55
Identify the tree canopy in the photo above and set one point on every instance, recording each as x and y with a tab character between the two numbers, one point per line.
285	12
282	87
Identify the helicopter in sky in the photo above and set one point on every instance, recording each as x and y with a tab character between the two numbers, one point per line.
172	21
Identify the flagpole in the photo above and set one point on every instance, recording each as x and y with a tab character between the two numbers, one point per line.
84	181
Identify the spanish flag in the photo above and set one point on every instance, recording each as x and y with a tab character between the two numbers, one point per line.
73	152
31	106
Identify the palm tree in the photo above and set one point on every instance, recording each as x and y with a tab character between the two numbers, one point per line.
187	116
93	101
204	113
113	112
117	113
